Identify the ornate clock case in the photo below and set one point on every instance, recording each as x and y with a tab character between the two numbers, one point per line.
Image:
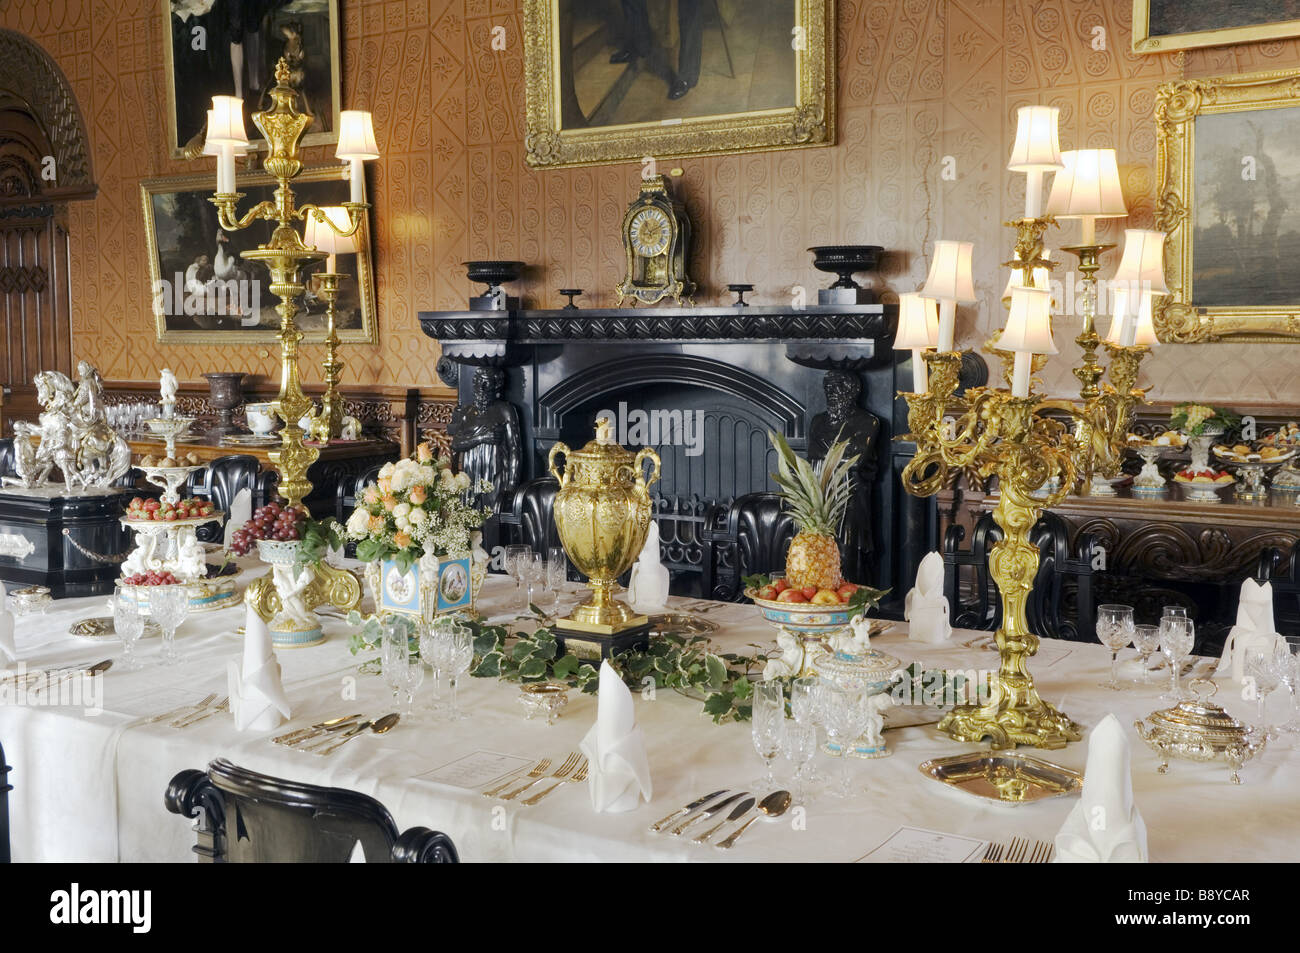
656	240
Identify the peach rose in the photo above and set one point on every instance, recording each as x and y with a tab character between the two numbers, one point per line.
402	540
390	502
419	494
376	525
424	453
371	495
385	485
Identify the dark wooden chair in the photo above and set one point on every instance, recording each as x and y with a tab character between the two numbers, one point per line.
1286	585
245	817
5	788
220	482
526	516
7	457
751	535
1061	605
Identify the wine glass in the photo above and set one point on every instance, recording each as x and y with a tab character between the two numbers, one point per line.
532	570
798	746
1146	639
1289	645
514	566
557	574
1115	631
168	606
460	653
1262	667
394	656
128	623
413	678
847	712
1177	634
806	696
428	653
767	726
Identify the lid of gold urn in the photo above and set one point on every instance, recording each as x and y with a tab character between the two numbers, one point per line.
604	448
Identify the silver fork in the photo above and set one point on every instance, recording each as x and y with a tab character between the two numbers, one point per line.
992	854
563	771
182	710
538	770
186	721
576	778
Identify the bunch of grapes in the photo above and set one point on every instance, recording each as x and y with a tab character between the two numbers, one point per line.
1197	414
272	521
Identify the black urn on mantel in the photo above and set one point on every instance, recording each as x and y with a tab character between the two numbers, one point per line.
845	261
494	274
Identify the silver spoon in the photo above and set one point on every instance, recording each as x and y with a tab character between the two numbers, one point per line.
379	726
774	805
740	810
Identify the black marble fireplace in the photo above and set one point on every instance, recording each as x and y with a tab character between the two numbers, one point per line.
701	385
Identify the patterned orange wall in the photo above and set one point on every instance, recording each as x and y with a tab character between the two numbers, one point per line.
919	80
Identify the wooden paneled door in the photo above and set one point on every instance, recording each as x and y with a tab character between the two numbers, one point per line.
35	304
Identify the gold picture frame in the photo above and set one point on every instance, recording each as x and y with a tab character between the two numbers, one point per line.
1208	207
297	30
1144	41
808	119
177	207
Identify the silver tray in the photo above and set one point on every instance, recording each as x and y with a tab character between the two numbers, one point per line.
1005	778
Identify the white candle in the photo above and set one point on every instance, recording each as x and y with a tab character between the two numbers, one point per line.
1089	236
358	180
1020	374
330	262
1034	193
947	323
920	377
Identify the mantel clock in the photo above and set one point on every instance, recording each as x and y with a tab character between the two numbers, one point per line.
657	240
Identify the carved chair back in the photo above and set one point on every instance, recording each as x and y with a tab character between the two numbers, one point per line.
1286	585
1062	604
220	482
246	817
529	519
7	457
749	536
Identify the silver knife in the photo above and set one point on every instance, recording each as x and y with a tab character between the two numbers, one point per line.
708	812
659	825
739	811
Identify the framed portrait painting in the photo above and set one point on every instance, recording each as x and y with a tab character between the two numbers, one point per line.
205	293
231	47
618	80
1160	26
1228	157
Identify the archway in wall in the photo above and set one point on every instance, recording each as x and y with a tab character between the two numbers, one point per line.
44	164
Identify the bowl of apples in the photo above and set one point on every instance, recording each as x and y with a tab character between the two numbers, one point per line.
809	611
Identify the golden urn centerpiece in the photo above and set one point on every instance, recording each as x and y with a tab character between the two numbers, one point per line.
602	513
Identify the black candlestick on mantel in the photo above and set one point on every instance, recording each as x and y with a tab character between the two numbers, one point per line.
571	293
740	291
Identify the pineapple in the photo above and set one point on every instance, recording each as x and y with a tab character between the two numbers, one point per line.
817	498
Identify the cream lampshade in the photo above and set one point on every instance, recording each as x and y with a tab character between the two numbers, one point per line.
226	138
1037	150
211	148
1141	330
918	329
320	236
1028	332
1088	189
356	145
950	284
1143	263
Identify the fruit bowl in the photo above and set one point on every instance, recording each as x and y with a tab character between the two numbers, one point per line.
806	618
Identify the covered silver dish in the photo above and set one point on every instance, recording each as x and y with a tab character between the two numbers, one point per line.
1199	730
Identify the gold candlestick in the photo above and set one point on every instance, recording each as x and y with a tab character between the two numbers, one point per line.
329	423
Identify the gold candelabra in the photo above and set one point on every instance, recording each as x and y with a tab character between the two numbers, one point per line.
1026	444
329	423
283	126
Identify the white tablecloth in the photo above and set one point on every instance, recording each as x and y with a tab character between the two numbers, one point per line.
90	788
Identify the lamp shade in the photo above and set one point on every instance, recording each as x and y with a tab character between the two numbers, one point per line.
950	273
1038	146
320	236
918	322
356	135
1143	264
1146	327
211	148
1029	325
1088	185
226	122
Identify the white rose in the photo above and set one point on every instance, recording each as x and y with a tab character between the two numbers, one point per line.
357	522
386	470
447	479
419	517
401	510
402	523
462	481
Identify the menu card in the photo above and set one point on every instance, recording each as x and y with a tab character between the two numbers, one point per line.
477	769
915	845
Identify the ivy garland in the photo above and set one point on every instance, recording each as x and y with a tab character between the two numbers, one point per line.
683	663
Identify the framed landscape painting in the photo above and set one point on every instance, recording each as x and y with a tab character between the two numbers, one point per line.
230	48
617	80
204	293
1228	154
1163	25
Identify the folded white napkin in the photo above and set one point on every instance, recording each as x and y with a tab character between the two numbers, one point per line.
1254	628
647	590
241	511
925	608
257	698
618	773
7	648
1105	826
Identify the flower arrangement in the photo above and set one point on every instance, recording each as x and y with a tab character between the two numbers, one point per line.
418	506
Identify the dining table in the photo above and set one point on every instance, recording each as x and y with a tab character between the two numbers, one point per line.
89	779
